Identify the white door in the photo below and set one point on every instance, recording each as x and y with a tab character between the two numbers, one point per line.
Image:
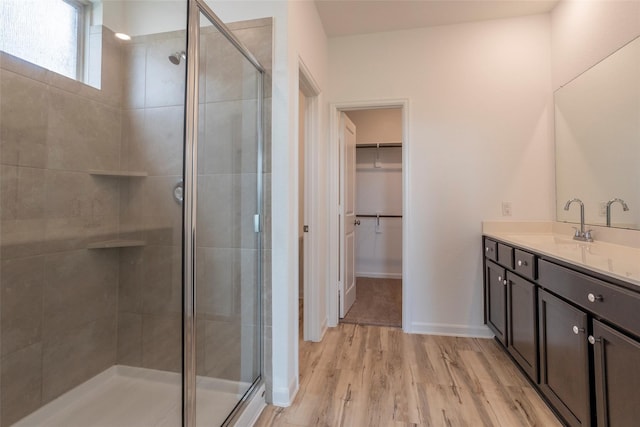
347	288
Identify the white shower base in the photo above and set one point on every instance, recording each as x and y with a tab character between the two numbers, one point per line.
124	396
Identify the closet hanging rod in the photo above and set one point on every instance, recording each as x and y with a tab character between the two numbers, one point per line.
380	145
379	216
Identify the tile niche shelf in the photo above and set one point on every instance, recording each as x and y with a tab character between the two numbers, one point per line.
115	244
117	174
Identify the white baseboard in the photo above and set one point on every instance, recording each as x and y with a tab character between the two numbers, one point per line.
323	328
283	396
451	330
380	275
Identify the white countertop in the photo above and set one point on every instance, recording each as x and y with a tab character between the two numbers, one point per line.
613	260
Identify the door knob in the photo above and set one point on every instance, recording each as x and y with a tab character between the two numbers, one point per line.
356	222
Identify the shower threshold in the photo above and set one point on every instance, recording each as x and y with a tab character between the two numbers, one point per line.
124	396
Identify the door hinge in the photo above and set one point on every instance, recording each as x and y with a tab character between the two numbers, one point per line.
305	228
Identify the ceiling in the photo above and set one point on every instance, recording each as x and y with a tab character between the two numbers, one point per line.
349	17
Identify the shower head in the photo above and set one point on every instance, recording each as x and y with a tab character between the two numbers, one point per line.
175	58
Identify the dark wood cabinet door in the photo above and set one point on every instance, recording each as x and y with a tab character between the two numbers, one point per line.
617	377
564	360
496	300
522	324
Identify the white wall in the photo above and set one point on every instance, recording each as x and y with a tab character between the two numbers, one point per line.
378	125
139	17
479	133
585	32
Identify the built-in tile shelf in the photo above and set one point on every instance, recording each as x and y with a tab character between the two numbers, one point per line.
114	244
121	174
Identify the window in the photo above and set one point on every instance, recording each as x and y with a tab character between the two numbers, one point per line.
48	33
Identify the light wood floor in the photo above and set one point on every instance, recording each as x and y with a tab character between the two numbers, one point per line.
365	376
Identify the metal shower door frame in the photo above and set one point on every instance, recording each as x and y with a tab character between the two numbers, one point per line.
195	8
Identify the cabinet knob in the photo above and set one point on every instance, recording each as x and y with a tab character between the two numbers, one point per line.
504	282
521	263
577	330
593	298
499	278
486	249
592	340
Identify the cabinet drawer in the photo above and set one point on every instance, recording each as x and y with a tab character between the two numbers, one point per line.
505	255
525	264
491	249
607	301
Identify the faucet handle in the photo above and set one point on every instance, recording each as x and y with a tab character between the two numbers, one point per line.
587	236
577	232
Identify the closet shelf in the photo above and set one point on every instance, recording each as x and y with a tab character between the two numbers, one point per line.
120	174
380	145
114	244
378	216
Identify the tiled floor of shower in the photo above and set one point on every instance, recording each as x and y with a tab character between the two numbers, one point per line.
124	396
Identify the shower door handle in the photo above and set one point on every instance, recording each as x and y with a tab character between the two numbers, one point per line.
178	192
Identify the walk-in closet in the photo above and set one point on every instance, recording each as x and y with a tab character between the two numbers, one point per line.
378	209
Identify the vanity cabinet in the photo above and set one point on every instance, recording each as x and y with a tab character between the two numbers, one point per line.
617	376
564	358
573	332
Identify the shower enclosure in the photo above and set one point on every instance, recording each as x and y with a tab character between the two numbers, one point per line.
132	225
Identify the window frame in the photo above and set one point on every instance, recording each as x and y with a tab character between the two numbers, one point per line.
82	9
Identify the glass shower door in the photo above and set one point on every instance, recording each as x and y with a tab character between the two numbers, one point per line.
227	238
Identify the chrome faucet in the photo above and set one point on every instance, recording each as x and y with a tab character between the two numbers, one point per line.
582	235
609	203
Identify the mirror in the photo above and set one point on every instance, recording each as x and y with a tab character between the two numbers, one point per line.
597	123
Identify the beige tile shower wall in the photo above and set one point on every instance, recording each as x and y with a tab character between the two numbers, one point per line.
150	282
58	299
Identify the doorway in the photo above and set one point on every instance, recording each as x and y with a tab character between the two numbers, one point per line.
370	287
311	302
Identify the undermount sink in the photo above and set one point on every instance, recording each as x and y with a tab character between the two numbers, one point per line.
601	255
